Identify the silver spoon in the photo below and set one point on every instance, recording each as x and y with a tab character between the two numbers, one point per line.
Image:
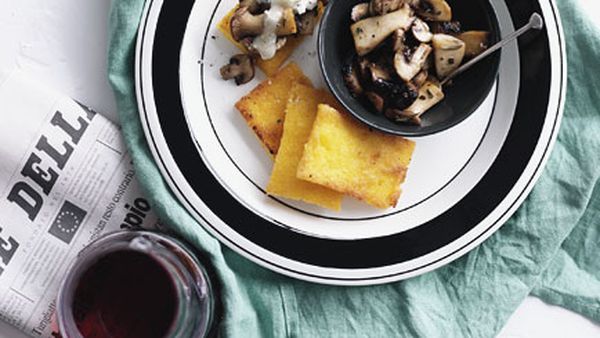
535	22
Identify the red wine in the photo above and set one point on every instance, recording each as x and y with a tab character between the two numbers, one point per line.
125	294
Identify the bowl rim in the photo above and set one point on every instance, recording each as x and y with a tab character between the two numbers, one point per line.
407	133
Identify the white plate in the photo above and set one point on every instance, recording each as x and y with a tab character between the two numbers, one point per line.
462	184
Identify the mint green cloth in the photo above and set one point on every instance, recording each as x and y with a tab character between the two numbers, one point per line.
549	248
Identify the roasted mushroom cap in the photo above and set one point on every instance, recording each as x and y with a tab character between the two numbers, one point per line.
449	53
240	68
406	68
244	24
434	10
475	42
421	31
381	7
370	32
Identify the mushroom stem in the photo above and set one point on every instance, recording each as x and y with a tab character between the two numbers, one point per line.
430	94
420	78
370	32
435	10
449	53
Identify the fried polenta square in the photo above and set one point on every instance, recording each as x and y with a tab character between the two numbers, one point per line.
300	114
348	157
269	67
264	107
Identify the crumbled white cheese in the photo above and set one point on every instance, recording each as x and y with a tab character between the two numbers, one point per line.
302	6
266	42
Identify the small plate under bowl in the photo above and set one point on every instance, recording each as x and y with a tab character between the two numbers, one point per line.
463	96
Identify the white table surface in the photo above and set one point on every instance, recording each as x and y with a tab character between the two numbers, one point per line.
63	43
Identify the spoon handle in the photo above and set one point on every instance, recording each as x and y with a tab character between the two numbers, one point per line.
535	22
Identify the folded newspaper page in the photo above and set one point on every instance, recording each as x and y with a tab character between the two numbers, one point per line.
65	180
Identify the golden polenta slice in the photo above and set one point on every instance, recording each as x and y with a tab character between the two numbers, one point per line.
300	114
269	67
264	107
351	158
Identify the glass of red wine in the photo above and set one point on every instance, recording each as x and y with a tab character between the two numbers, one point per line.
136	284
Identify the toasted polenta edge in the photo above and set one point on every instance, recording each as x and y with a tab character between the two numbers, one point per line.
264	107
301	111
312	155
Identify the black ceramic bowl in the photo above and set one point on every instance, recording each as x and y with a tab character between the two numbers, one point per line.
463	96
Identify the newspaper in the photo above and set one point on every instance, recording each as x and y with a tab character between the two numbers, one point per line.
65	180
